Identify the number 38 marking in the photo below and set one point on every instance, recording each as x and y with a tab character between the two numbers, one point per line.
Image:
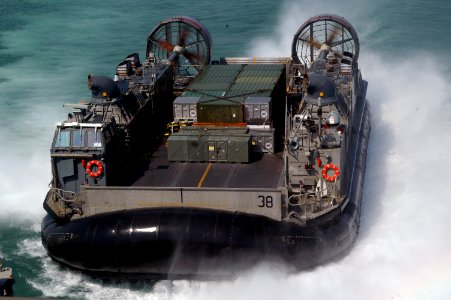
265	201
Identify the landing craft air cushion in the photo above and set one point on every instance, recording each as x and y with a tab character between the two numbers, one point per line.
183	166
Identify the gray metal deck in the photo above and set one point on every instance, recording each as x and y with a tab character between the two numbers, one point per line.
263	173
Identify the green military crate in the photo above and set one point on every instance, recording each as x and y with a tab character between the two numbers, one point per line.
186	147
221	144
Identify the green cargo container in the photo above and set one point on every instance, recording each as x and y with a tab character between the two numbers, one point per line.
223	90
220	111
183	147
215	77
218	82
210	144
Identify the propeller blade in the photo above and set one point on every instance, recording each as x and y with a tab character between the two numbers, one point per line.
193	44
336	43
331	37
175	66
312	42
165	45
194	59
182	38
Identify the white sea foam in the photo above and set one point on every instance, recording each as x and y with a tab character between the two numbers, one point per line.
23	185
31	247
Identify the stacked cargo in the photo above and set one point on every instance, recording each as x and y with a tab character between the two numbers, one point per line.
212	87
258	115
224	99
257	110
185	109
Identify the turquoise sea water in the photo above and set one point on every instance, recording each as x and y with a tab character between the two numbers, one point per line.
47	49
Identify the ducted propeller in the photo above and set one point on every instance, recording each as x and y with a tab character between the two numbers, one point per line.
324	33
183	41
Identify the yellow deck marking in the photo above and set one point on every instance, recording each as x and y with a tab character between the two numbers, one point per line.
204	175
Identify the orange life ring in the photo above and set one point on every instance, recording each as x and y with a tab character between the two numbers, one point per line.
99	168
331	167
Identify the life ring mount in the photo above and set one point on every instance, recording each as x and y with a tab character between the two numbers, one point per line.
99	166
328	167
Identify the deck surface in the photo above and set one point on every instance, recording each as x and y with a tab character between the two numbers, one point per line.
262	173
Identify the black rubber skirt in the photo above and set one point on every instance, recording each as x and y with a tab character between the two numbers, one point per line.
176	242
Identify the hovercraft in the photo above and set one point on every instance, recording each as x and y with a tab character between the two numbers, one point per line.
186	166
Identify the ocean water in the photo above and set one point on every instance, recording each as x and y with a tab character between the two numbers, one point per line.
47	49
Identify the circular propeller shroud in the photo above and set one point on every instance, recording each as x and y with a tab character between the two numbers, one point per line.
324	32
182	40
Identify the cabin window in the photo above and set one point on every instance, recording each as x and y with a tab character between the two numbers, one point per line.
63	139
94	139
77	138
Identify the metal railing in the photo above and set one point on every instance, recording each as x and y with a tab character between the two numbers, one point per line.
63	195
